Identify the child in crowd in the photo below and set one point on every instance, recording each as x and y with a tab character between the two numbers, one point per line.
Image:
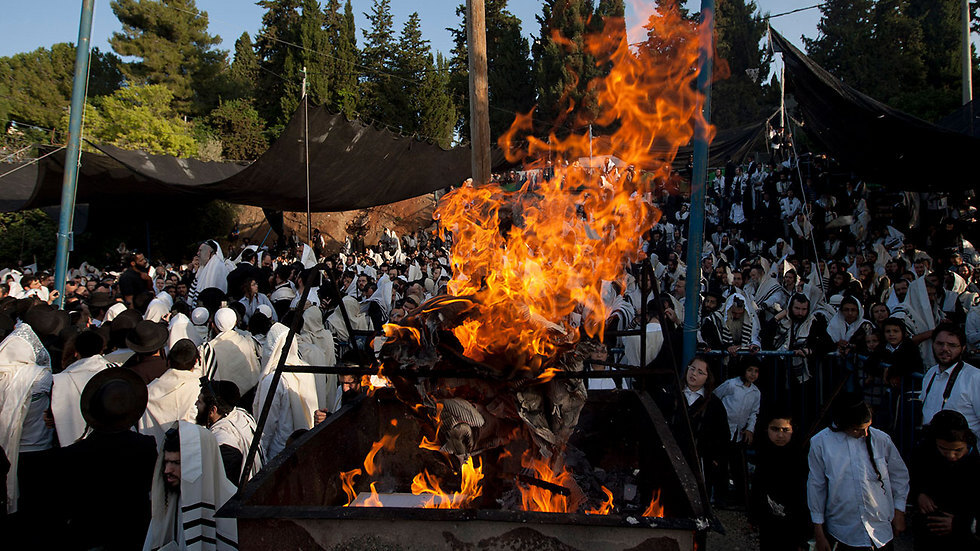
741	398
858	483
945	485
778	500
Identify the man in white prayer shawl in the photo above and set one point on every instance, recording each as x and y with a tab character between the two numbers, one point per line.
232	427
236	355
66	391
316	347
182	328
25	388
200	317
189	485
294	400
159	307
213	271
172	395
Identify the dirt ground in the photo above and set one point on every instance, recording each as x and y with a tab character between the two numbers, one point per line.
739	537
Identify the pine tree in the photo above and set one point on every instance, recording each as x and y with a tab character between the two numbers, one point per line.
741	97
171	40
941	43
238	125
378	89
279	25
342	66
245	67
844	37
897	45
437	113
560	65
411	67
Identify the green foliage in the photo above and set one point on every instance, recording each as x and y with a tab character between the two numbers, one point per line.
845	36
24	234
740	96
378	89
140	118
437	113
509	76
412	63
245	67
279	24
171	41
341	66
237	124
562	67
35	87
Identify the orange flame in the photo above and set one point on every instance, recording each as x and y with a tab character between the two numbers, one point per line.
470	488
534	498
394	331
655	509
387	442
347	481
606	506
433	445
537	283
373	500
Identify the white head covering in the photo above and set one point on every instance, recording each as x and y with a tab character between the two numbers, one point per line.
307	257
23	360
838	329
225	319
114	310
181	328
204	489
159	307
359	321
266	310
200	315
302	386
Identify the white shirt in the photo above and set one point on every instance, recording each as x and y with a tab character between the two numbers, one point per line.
693	395
965	397
36	435
843	492
741	403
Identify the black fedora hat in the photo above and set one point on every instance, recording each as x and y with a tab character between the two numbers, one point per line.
101	300
146	337
46	321
114	399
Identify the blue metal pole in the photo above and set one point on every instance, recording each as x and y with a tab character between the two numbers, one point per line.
695	232
74	149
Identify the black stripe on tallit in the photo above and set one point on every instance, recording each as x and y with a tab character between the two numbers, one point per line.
198	505
203	538
206	522
227	541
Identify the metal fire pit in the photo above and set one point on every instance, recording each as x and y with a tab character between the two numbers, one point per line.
296	502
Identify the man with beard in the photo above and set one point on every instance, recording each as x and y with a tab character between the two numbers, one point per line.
951	383
232	427
189	485
136	278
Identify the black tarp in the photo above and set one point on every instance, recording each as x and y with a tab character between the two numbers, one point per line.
959	120
352	166
876	141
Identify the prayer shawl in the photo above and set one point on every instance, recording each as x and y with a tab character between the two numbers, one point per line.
631	345
892	301
839	330
66	397
159	307
204	489
802	231
296	399
236	430
236	359
114	310
359	321
171	397
793	335
382	297
182	328
713	330
316	348
767	292
925	316
307	258
414	272
213	274
750	323
23	361
953	295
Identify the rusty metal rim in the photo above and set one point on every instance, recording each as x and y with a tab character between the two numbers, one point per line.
235	509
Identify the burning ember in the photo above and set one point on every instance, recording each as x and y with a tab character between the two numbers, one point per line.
529	269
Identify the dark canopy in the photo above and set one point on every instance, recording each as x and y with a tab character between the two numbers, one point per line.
898	150
352	166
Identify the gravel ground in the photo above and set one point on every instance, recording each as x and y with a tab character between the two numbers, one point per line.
739	537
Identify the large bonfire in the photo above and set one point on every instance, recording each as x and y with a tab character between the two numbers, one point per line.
527	290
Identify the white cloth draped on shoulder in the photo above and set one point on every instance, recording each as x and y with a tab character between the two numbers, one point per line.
66	397
316	348
171	397
236	356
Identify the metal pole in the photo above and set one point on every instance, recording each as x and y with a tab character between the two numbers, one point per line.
306	159
476	40
967	57
74	148
695	233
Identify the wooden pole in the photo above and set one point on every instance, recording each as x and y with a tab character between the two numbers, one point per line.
476	39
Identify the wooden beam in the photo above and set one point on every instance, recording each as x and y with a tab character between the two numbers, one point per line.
476	39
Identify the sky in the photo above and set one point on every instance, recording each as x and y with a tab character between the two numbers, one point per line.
28	25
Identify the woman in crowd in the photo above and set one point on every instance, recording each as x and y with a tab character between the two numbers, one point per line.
778	500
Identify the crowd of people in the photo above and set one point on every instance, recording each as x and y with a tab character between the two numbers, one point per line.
151	376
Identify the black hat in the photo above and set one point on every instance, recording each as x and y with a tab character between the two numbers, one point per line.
101	300
121	325
45	320
114	399
147	337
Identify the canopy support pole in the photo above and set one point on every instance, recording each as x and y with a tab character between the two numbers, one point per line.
695	233
476	40
306	159
73	155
